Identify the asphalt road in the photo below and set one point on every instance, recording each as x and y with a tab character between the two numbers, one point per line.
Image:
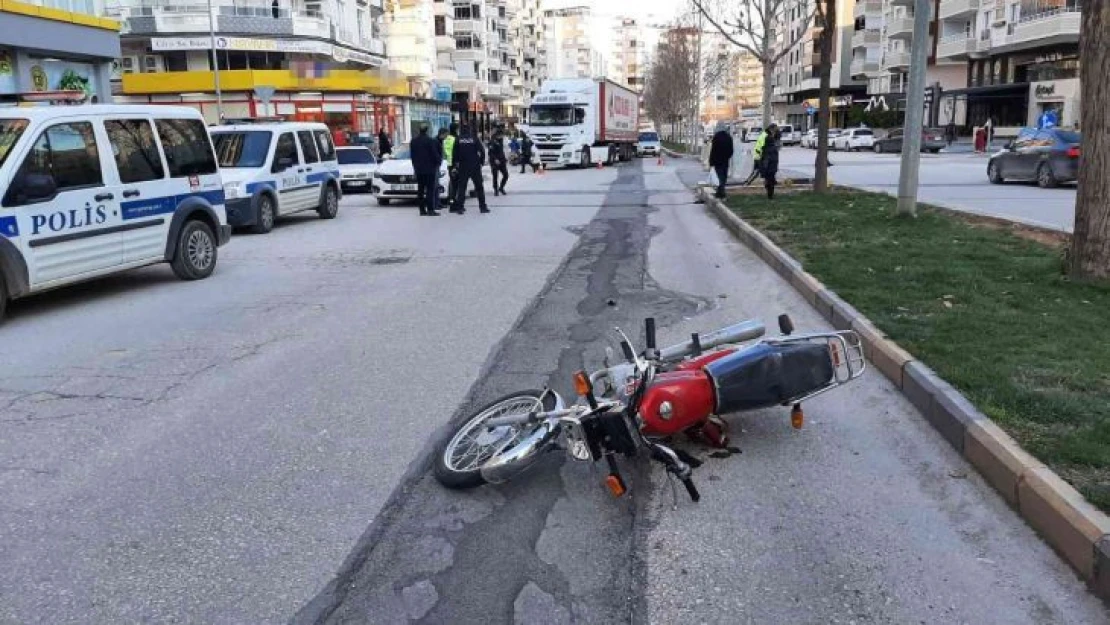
254	448
957	181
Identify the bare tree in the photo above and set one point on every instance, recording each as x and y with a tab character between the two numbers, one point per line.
824	46
1089	257
753	26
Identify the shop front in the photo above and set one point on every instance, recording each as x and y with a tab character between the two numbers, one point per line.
1060	97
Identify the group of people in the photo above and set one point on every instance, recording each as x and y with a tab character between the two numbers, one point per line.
765	152
465	155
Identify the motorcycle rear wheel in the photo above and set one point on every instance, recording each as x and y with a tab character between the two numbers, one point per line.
459	460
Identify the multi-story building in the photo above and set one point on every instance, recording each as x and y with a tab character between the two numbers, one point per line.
797	76
1020	59
528	67
749	82
481	61
630	55
299	59
51	51
574	48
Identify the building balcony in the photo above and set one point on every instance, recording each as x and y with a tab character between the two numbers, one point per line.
1049	28
811	59
866	38
472	54
446	74
957	47
445	43
868	9
470	26
860	68
957	8
900	28
896	61
444	9
901	3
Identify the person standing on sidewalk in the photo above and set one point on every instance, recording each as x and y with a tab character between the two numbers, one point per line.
769	158
384	145
498	164
449	156
426	161
526	153
720	156
469	156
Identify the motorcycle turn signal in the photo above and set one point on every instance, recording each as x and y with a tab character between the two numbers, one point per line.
797	417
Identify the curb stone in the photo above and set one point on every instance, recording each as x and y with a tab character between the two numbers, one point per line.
1079	532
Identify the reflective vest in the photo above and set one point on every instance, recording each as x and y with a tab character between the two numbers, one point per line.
758	151
449	148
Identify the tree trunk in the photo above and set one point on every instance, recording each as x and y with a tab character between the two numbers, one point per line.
821	165
768	75
1090	248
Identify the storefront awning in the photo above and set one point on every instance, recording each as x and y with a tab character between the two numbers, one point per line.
377	82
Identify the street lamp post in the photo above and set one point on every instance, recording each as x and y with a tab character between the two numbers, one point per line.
215	64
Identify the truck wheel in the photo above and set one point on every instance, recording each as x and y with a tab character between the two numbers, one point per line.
195	258
585	164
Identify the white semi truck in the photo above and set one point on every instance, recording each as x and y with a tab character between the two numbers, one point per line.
583	121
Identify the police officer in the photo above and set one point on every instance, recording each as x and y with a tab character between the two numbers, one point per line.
467	158
426	161
498	164
449	156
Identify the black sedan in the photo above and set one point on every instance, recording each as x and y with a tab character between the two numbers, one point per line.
1048	156
932	140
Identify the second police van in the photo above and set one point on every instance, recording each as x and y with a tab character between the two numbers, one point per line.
87	191
274	169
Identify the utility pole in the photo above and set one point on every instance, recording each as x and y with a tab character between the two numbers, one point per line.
697	90
215	65
915	110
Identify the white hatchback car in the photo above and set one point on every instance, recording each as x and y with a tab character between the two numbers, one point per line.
87	191
273	169
395	178
356	167
854	139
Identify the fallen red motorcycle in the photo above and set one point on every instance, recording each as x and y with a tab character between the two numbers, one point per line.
629	407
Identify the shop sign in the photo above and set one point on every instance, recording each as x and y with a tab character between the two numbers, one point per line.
253	44
1045	91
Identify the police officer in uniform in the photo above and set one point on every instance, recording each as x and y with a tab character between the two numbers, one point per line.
449	156
468	158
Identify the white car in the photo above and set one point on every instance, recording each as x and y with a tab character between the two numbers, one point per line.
809	139
790	136
87	191
648	144
396	180
356	168
854	139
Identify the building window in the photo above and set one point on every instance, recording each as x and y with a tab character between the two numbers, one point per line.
441	26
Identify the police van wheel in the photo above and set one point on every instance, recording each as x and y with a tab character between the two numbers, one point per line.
329	208
196	251
266	216
3	298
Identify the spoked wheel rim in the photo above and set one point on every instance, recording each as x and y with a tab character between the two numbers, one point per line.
474	445
199	249
267	210
1044	176
332	203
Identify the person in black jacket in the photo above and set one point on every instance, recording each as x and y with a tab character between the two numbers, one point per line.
498	163
468	158
720	156
427	156
769	160
526	153
384	145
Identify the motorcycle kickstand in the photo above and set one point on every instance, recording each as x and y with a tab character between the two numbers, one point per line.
674	492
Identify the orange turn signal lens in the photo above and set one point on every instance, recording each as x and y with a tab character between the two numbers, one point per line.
797	417
582	384
615	485
834	349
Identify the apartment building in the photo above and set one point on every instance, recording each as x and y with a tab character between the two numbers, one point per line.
1020	59
56	51
481	59
797	76
630	51
574	48
528	67
300	59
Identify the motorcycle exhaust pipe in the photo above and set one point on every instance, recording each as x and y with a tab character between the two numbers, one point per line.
737	333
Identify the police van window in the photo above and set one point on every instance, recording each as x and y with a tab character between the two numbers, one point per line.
135	150
286	148
242	149
65	155
188	149
10	132
308	146
327	148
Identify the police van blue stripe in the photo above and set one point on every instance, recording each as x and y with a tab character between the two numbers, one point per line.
9	227
261	184
323	176
162	205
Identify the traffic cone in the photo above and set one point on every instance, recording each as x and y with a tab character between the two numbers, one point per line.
543	168
599	165
660	161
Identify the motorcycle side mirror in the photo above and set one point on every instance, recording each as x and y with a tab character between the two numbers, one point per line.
786	324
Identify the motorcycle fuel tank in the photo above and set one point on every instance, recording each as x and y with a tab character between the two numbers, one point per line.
676	401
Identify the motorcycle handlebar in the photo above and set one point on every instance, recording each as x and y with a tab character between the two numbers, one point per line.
743	331
691	489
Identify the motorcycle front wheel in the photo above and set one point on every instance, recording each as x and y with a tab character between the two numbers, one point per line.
459	460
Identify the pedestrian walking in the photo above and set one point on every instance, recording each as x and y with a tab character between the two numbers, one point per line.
449	156
526	153
769	158
468	158
384	145
498	164
981	140
427	158
757	154
720	157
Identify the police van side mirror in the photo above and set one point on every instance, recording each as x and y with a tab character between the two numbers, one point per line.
282	164
33	188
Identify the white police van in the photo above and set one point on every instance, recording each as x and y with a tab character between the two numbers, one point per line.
87	191
273	169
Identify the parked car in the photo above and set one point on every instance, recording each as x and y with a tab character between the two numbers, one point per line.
932	140
853	139
751	134
395	178
790	136
1049	157
356	167
274	169
648	144
809	139
94	190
